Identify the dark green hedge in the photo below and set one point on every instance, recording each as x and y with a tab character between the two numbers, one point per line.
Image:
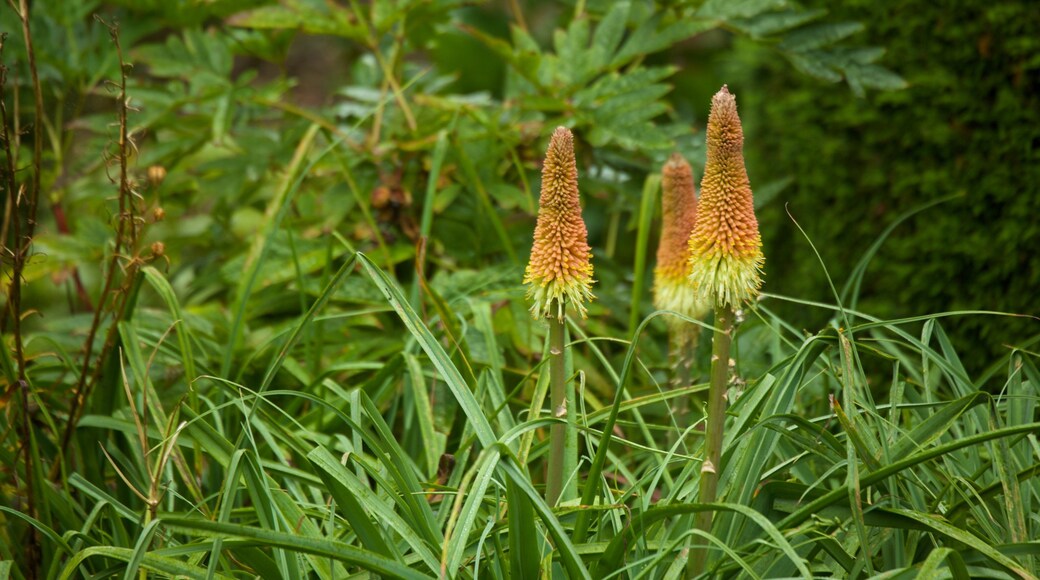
969	124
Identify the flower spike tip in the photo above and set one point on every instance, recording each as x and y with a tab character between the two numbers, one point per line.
672	288
560	269
725	247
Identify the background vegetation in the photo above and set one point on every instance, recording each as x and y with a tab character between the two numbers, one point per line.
965	130
270	320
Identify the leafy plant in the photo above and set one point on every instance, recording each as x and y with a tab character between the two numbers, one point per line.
293	326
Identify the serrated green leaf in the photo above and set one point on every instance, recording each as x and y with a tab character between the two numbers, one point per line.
861	54
618	84
293	14
609	32
650	38
645	136
728	9
623	113
774	22
274	16
875	77
819	35
577	62
571	48
814	66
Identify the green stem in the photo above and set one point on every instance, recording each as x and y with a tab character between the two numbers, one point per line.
683	351
558	402
711	468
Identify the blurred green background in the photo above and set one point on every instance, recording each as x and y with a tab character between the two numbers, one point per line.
224	90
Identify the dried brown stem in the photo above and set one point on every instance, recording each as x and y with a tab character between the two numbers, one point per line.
34	190
19	250
518	13
126	238
8	178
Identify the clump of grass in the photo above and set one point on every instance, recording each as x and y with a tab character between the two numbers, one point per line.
321	421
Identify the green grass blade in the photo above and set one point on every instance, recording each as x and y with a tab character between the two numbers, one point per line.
524	555
588	493
433	442
140	550
647	205
227	504
92	491
410	492
569	556
304	525
276	211
298	329
184	334
496	386
612	556
943	528
46	531
833	496
743	469
336	550
473	490
937	424
356	495
440	149
440	359
348	494
150	562
931	567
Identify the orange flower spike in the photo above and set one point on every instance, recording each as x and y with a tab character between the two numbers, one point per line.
560	269
725	247
672	290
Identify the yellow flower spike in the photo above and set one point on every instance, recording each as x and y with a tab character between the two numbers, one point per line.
725	247
672	290
560	269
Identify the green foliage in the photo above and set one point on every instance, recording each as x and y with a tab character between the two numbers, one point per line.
961	129
291	341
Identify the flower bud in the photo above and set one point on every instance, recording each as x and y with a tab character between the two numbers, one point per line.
725	247
672	288
560	269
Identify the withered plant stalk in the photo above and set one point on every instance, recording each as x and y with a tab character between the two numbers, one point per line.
21	204
125	242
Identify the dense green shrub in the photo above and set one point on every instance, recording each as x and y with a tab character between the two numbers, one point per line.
967	126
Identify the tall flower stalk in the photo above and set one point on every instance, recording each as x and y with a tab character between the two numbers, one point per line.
725	270
559	275
671	275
